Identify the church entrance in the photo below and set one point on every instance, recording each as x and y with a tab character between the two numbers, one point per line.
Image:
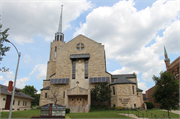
77	103
78	100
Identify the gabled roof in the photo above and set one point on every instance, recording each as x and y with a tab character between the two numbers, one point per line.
45	88
138	90
4	90
122	79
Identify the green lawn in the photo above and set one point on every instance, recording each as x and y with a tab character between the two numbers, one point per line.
97	114
92	114
22	114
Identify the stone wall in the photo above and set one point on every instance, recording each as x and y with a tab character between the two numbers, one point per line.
46	83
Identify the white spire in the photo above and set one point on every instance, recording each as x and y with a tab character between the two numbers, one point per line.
60	21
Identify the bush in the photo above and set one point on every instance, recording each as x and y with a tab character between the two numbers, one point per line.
67	110
118	108
149	105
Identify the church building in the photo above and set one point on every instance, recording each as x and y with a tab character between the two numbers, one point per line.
75	67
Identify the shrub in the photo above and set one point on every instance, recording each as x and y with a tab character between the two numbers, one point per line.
67	110
149	105
118	108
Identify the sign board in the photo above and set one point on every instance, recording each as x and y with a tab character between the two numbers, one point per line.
45	110
58	110
53	110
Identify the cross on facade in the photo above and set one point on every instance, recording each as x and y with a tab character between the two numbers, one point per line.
77	82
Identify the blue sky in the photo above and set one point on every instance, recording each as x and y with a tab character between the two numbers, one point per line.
134	34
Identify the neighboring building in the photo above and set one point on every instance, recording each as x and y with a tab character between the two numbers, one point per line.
75	67
144	98
171	67
21	100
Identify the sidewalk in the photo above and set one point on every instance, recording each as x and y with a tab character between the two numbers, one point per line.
132	116
176	111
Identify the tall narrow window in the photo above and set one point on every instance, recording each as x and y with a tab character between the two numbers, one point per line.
45	95
57	37
86	68
13	102
133	89
113	91
18	102
64	95
73	68
55	51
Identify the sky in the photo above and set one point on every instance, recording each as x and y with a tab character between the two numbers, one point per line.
134	33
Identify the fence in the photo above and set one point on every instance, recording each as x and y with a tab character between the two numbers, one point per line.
142	115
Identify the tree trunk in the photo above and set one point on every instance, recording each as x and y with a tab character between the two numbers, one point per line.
168	114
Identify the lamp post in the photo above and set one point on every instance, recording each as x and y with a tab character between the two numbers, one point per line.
12	98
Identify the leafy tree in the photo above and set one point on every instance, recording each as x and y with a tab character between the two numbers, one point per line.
3	38
100	93
167	91
31	91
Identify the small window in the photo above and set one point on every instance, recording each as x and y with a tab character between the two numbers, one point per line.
13	102
134	105
64	95
23	103
72	99
137	93
18	103
55	51
77	99
113	91
114	105
73	69
133	89
18	109
80	99
45	95
85	99
80	46
4	99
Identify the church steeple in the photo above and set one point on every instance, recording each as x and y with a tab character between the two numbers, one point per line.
166	60
59	35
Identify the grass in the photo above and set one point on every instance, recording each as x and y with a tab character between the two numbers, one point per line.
92	114
22	114
97	114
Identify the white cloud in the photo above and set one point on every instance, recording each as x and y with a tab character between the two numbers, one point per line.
21	82
41	69
125	32
143	86
39	18
1	78
27	58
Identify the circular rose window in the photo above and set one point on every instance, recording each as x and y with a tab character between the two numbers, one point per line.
80	46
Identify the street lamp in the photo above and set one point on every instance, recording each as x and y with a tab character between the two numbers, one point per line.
12	98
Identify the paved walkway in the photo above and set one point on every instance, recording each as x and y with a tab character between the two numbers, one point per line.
176	111
132	116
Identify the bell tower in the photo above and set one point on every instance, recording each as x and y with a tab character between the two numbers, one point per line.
54	49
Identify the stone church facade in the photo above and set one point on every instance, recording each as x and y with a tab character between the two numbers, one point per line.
75	67
73	70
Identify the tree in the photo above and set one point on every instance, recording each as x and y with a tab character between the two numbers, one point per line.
31	91
3	38
166	91
100	93
54	96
